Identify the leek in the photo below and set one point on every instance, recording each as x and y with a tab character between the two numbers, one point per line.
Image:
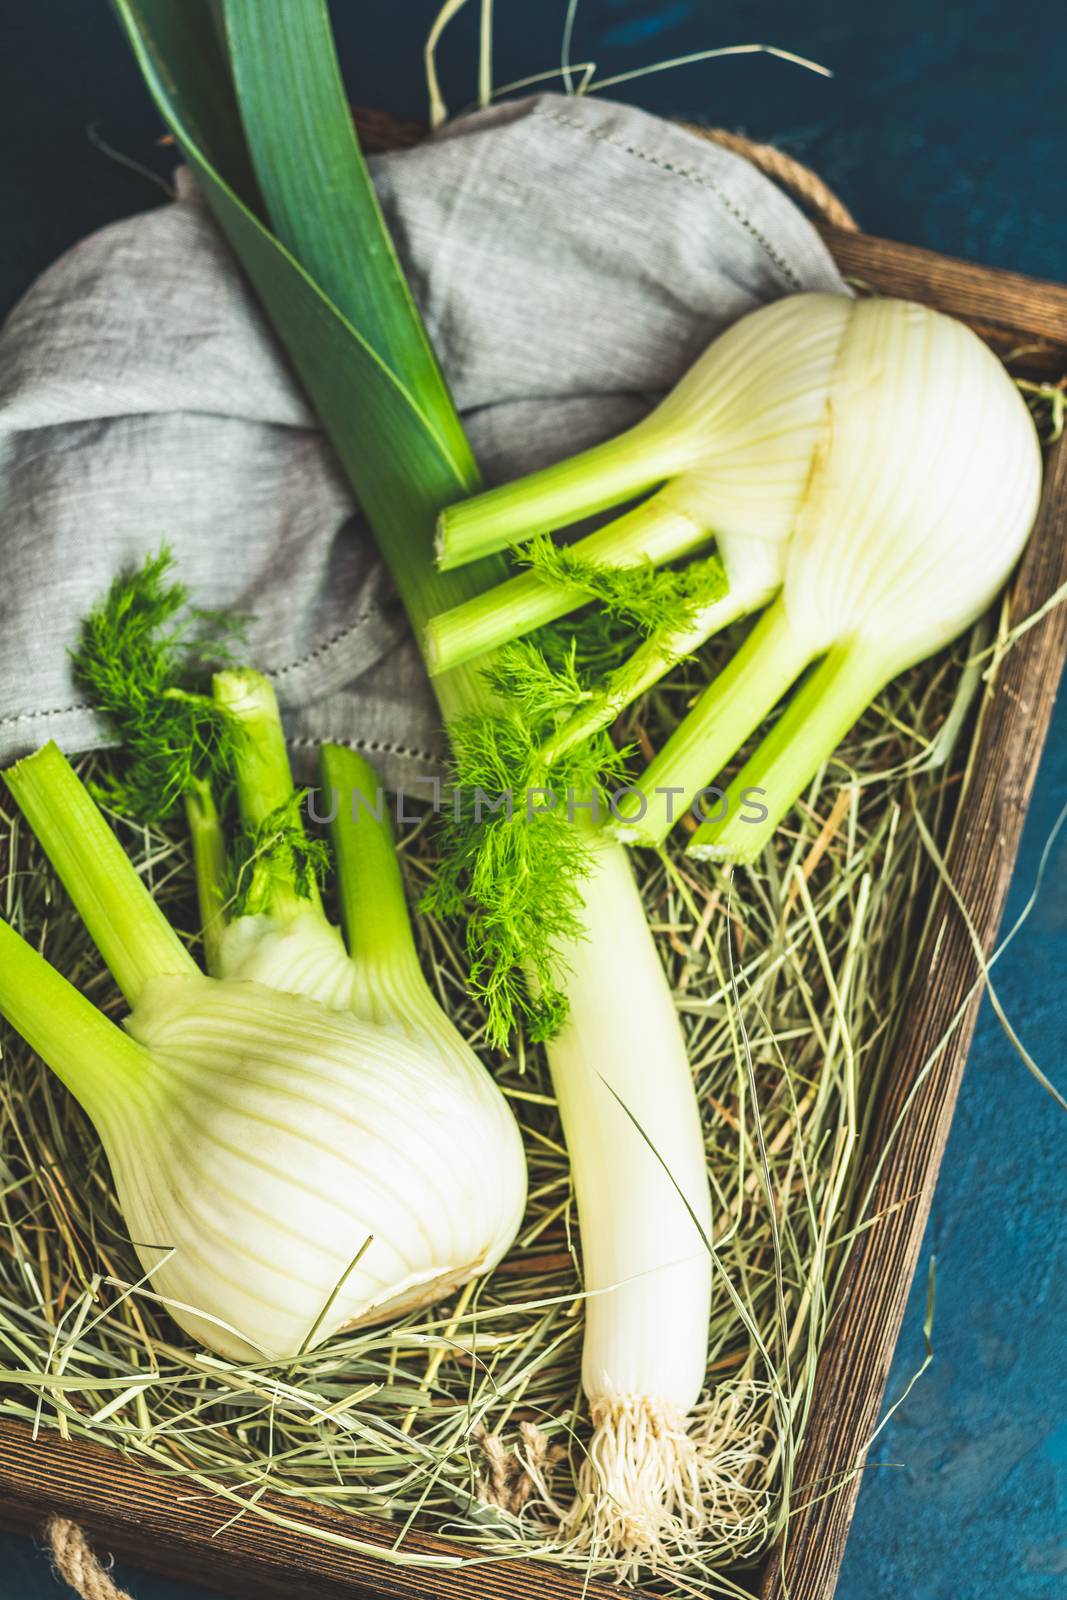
625	1096
406	459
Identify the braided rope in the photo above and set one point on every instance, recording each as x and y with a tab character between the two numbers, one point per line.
801	182
75	1563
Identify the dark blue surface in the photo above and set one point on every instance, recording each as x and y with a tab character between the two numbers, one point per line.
944	125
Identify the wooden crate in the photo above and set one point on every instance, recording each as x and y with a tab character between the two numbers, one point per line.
150	1521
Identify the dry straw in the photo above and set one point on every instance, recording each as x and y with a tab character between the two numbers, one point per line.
468	1419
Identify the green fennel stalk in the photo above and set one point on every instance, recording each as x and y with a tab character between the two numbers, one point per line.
650	534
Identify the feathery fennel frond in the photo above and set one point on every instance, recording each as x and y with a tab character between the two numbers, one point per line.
278	847
514	851
649	597
141	652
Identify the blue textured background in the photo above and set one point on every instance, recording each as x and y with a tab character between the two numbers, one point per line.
944	125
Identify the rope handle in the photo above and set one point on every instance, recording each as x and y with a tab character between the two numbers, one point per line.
797	179
380	131
74	1562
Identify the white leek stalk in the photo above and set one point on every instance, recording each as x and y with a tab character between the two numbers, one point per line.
731	445
285	1169
632	1125
922	494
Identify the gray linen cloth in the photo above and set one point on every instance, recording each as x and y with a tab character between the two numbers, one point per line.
570	256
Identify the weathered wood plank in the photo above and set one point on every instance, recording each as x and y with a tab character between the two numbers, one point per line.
172	1526
1021	308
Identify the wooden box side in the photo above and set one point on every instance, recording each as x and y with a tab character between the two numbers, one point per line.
945	994
279	1549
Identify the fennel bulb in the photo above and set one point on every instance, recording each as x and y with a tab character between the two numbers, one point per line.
923	491
288	1164
731	447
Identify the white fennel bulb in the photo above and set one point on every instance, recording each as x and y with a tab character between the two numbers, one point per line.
295	1170
923	490
740	428
297	1150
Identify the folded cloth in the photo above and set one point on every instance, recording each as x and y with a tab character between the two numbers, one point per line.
571	257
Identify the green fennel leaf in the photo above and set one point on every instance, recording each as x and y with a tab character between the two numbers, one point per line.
140	654
514	851
278	847
652	598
